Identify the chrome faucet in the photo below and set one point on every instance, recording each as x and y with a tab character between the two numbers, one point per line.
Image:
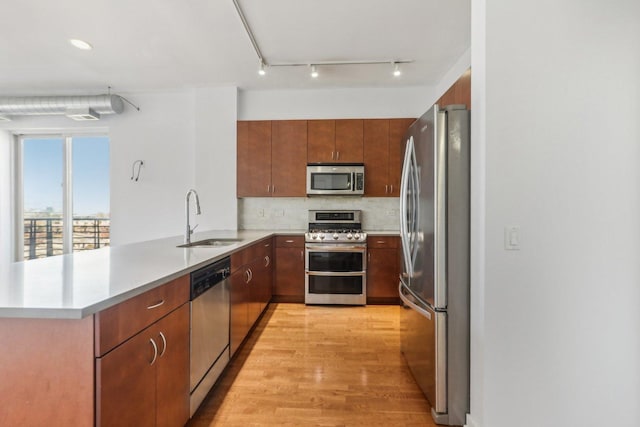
189	230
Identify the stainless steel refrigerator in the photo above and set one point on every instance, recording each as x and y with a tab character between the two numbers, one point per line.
434	284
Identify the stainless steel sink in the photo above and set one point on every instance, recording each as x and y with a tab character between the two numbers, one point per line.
211	243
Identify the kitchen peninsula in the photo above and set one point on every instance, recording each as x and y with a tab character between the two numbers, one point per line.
50	322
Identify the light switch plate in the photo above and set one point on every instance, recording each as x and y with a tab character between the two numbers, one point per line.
512	238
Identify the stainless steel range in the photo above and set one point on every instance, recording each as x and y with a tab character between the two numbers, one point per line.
336	258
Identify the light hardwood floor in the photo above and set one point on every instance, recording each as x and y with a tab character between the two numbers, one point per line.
318	366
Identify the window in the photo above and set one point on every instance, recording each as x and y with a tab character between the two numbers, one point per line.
62	194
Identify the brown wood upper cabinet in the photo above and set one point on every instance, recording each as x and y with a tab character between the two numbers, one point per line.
288	158
271	158
459	92
254	159
383	155
335	141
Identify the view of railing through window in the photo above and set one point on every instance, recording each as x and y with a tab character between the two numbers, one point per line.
65	189
43	235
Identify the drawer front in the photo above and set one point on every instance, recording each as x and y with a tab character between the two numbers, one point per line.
289	241
120	322
391	242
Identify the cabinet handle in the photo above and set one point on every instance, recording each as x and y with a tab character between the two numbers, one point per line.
386	189
164	344
301	255
155	352
156	305
380	241
391	189
369	257
267	261
248	276
332	155
289	241
268	188
273	189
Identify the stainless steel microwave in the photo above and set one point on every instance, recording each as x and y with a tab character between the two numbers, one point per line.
331	179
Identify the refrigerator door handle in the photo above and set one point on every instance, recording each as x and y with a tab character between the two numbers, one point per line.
440	192
404	184
401	291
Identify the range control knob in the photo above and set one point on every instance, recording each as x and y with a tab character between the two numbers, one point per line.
321	236
357	236
335	236
349	236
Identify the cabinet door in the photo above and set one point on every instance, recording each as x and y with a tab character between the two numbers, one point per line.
321	137
289	277
266	279
172	396
239	308
289	158
397	129
126	383
254	291
376	157
254	159
383	269
349	141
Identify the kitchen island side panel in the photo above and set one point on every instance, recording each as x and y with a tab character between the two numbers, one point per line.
46	372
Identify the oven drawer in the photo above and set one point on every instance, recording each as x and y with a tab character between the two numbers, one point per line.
335	260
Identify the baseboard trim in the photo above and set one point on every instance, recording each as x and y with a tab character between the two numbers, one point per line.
471	422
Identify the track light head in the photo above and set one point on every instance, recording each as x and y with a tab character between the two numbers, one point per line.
261	70
314	72
396	70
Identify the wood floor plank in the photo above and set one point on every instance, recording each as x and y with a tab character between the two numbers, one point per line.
318	366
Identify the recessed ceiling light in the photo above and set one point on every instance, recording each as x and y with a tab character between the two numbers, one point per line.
81	44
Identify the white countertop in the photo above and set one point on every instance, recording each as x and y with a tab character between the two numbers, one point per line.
77	285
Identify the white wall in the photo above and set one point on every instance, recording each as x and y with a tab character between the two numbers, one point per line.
185	138
560	106
335	103
162	135
215	158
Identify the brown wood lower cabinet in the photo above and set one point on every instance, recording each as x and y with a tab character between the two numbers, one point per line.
251	288
145	380
289	276
383	269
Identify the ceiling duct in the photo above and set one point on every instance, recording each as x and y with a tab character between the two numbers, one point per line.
87	107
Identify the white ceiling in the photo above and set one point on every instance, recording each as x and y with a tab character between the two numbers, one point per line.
150	45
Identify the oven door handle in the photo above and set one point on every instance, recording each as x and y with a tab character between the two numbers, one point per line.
335	273
336	248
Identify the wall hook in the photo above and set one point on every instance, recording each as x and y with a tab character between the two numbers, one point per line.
136	176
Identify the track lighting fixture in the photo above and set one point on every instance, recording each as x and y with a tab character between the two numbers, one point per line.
264	63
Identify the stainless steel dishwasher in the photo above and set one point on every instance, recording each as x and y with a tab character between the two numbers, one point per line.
209	328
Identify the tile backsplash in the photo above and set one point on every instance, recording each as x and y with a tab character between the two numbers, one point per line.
291	213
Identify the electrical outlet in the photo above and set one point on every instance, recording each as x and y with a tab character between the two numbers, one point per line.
261	212
392	212
278	212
